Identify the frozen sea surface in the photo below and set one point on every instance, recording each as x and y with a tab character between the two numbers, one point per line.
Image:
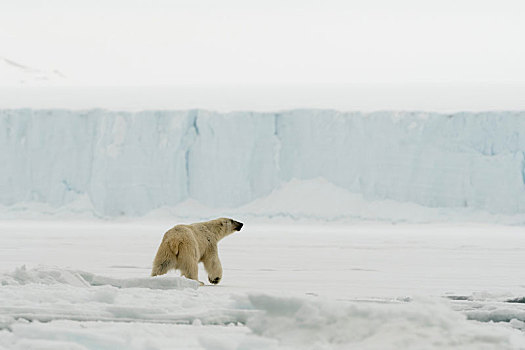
85	285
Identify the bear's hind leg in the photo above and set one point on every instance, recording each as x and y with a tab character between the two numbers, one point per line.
188	263
161	268
190	271
164	260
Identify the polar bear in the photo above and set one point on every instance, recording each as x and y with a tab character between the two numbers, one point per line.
184	246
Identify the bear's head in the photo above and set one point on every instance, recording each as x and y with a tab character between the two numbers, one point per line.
228	226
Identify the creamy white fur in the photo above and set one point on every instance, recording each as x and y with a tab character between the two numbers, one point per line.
184	246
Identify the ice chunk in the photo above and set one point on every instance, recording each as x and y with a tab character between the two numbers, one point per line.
50	275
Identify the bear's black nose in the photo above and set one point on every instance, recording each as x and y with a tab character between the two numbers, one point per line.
239	226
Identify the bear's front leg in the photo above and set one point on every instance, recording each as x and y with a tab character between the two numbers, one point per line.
213	267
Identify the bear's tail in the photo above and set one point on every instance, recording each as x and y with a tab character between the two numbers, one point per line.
174	247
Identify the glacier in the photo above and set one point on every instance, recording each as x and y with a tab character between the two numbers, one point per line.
130	163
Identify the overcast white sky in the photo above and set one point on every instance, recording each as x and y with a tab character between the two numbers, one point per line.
273	54
130	43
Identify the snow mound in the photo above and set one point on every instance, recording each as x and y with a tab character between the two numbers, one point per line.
318	199
50	275
319	324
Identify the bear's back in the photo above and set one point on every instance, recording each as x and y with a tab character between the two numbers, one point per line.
182	232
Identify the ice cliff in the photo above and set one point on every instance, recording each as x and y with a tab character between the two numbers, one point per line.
131	163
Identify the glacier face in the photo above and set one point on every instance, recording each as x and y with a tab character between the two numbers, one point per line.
131	163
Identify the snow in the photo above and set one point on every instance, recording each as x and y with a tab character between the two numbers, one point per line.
46	275
413	325
85	285
129	164
321	201
362	230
